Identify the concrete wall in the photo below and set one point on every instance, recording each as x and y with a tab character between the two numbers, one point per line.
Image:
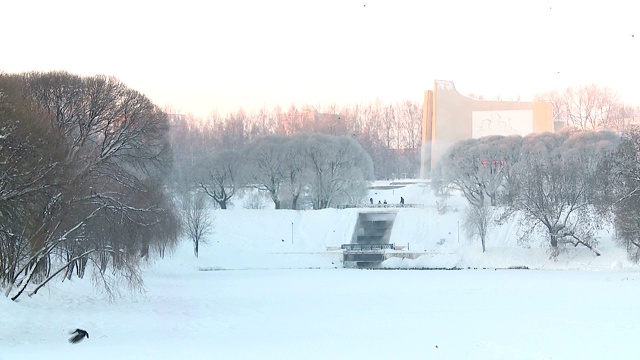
449	117
373	228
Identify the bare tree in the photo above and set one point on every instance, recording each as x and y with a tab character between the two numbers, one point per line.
341	169
509	153
262	123
557	178
558	103
110	178
266	165
480	168
497	154
218	176
461	168
197	221
554	180
589	107
623	117
410	124
625	198
478	221
296	170
234	136
30	152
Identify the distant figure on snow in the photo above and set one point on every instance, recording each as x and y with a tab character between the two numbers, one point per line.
401	201
371	201
385	202
79	335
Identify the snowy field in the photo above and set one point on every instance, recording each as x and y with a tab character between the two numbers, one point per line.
265	287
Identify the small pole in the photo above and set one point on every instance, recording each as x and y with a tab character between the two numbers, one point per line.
458	230
292	232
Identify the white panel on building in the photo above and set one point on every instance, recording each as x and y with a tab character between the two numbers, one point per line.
501	122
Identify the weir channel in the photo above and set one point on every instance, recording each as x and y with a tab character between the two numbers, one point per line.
370	240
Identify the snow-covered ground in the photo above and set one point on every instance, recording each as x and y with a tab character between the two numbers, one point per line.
265	287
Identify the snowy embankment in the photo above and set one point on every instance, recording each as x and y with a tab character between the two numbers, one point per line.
257	239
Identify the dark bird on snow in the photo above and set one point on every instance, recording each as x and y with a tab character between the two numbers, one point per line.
79	335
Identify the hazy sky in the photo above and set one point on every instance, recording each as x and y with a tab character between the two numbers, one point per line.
198	56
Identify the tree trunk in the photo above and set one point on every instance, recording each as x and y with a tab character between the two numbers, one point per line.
554	240
69	273
587	245
61	269
23	284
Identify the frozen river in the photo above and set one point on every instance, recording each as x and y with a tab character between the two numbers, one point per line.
339	314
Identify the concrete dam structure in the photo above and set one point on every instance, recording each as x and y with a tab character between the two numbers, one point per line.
370	240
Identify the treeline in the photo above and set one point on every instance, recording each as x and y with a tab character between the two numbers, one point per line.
83	169
591	107
569	185
389	132
298	172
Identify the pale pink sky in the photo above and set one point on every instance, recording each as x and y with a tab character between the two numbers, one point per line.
198	56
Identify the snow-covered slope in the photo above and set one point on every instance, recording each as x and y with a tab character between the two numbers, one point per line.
253	239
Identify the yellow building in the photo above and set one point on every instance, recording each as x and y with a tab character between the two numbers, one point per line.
449	117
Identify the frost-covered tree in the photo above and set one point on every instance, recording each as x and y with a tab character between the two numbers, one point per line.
478	167
510	146
478	221
197	221
340	168
557	181
266	165
460	169
626	193
297	172
481	170
557	178
104	201
219	175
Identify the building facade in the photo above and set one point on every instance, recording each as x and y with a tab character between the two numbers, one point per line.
449	117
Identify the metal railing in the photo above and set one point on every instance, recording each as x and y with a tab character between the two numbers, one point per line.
367	247
381	206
